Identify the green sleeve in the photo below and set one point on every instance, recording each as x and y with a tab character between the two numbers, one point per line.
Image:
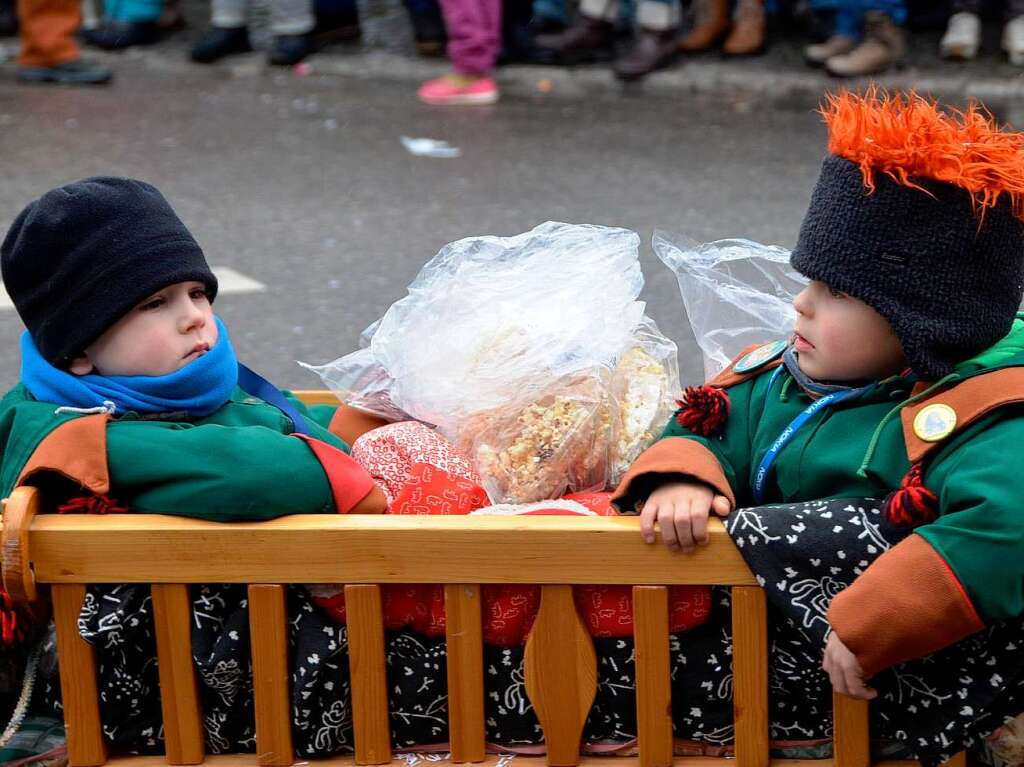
214	472
980	532
732	445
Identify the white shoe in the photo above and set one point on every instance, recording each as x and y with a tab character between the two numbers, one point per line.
1013	40
963	37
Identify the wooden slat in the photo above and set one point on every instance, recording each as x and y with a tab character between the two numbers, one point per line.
366	660
268	624
561	674
77	663
137	548
851	744
960	760
750	675
653	675
464	631
179	693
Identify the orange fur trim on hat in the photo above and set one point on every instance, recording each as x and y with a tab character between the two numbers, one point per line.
908	137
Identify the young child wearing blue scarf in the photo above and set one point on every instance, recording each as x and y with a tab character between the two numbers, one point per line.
131	397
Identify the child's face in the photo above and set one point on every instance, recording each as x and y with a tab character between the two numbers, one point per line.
841	338
168	330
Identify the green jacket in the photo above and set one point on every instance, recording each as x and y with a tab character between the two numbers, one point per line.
948	579
238	463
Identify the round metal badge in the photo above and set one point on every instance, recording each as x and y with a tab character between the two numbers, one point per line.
935	422
762	355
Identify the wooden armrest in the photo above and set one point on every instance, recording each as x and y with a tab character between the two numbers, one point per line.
18	512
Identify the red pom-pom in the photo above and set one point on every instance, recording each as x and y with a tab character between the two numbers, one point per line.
912	504
703	410
92	504
17	620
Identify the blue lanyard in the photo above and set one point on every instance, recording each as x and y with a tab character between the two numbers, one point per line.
789	432
258	386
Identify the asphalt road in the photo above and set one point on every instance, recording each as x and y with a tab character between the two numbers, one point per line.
302	183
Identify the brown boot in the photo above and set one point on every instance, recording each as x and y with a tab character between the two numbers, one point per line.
748	28
816	55
883	47
651	51
711	23
585	40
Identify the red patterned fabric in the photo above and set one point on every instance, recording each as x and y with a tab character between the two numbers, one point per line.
423	473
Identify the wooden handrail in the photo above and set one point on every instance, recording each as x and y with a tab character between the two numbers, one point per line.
140	548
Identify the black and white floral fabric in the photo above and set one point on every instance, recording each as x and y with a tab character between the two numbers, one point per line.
803	554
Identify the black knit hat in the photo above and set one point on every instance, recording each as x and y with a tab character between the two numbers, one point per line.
83	255
946	271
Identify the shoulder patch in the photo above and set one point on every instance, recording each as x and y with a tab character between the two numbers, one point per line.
927	423
760	357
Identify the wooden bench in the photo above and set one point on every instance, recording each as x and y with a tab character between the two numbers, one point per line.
67	552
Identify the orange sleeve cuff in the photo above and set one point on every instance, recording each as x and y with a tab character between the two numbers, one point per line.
353	489
906	605
672	455
350	424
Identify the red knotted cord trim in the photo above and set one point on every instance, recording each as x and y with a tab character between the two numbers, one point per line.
92	504
912	504
703	410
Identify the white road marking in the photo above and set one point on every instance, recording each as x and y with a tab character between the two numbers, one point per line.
228	279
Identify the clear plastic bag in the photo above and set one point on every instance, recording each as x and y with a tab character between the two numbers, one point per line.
554	441
493	316
736	293
643	386
359	380
521	350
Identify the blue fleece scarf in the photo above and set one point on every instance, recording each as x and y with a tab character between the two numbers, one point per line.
197	389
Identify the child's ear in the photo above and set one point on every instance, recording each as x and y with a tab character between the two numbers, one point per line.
81	366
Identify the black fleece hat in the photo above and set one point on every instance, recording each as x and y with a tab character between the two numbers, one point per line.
918	212
83	255
948	280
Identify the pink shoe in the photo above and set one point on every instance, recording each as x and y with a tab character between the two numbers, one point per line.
457	90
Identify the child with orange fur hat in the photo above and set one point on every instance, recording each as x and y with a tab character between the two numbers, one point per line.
902	379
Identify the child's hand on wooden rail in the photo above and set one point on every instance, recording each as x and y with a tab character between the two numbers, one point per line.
681	511
844	670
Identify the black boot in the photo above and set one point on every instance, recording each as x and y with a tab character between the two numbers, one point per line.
584	41
651	51
218	42
115	35
290	49
427	28
8	19
77	72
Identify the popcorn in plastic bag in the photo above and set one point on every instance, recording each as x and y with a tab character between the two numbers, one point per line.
522	351
736	293
540	448
643	386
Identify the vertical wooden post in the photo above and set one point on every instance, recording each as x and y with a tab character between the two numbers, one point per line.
77	663
561	674
179	693
850	742
365	620
653	675
750	675
268	623
464	631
